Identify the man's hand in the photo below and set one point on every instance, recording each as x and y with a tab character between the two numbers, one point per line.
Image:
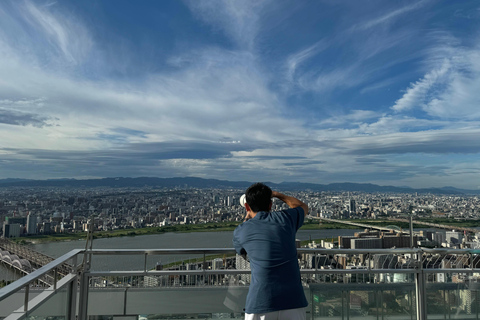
290	201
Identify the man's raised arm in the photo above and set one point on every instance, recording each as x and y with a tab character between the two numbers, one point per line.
290	201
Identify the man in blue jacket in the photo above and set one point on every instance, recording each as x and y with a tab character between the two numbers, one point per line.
268	237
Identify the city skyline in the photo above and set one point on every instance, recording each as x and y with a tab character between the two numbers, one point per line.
315	91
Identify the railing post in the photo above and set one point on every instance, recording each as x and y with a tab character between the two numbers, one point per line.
84	286
55	279
83	299
73	288
125	301
420	293
145	263
27	291
420	289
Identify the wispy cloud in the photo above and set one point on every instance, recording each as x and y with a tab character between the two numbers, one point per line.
416	94
238	19
70	41
212	98
433	142
364	98
352	119
389	16
447	90
297	58
43	36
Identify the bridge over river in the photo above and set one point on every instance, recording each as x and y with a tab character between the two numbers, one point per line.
362	225
26	260
437	225
388	228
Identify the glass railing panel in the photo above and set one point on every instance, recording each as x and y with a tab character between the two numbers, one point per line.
167	294
453	296
185	301
12	303
160	261
339	284
55	307
167	302
204	316
362	296
106	301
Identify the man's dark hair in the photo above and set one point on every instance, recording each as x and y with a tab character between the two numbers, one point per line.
258	197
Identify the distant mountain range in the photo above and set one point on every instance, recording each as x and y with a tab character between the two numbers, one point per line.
191	182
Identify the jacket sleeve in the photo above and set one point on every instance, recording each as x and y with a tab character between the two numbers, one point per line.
298	216
237	245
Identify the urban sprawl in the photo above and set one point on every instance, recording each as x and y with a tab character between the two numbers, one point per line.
26	212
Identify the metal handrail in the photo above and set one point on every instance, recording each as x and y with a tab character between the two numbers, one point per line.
26	280
86	273
161	251
299	250
17	285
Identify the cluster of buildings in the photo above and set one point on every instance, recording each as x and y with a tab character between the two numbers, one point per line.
31	211
26	212
396	239
353	205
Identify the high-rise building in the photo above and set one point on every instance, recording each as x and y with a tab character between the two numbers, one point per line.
11	230
453	237
31	224
13	220
47	227
242	264
353	206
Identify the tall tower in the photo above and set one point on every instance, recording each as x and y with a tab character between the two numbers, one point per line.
353	206
229	201
31	224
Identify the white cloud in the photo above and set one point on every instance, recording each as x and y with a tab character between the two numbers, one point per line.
294	60
322	68
219	94
416	94
351	119
441	141
43	36
52	28
388	17
218	109
238	19
460	98
449	89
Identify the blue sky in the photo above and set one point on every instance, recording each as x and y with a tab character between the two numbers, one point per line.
386	92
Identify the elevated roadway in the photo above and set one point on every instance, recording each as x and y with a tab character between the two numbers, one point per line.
361	225
436	225
368	226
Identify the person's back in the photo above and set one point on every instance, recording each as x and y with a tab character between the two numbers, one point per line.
269	240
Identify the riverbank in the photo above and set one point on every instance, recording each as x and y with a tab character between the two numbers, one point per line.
207	227
224	226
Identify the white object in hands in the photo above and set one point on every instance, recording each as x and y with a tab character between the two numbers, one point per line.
243	200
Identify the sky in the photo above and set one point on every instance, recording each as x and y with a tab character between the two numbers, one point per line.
374	91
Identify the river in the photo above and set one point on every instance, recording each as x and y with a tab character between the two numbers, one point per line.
170	240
